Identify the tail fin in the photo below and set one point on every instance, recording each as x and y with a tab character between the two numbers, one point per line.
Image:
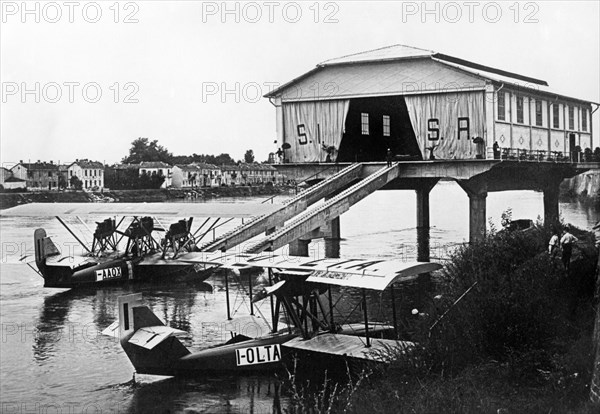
148	343
44	247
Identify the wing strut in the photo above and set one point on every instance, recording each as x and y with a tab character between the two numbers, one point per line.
364	303
394	318
72	234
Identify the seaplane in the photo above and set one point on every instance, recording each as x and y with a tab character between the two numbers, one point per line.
141	250
300	291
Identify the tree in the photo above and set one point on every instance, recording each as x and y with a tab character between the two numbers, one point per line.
62	181
142	149
75	182
249	157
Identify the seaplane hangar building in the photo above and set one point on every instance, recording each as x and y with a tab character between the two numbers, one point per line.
416	102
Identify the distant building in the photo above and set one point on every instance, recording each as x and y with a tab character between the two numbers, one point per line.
158	168
4	174
417	102
8	182
12	183
91	173
196	175
38	175
254	174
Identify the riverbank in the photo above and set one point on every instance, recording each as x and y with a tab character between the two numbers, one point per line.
585	187
506	330
10	199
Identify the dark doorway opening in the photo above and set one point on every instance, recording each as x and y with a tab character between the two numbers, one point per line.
572	145
375	124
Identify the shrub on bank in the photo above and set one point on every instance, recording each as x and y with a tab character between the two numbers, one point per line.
518	341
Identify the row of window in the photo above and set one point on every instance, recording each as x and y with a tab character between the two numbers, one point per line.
539	113
93	173
88	183
364	124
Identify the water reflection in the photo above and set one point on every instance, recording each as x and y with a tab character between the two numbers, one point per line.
222	394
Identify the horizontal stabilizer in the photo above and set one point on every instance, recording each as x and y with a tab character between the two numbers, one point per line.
70	261
151	336
112	330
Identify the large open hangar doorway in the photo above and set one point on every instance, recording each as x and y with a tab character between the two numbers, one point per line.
375	124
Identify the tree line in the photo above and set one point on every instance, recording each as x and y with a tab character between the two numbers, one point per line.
142	149
145	150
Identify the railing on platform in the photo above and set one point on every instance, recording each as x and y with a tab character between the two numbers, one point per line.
520	154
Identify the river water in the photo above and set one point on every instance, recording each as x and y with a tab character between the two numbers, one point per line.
53	359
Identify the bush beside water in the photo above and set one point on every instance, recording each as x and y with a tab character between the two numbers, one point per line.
519	342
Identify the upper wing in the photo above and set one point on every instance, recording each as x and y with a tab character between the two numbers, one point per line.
359	273
141	209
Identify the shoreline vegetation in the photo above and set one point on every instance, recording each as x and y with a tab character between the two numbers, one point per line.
12	199
520	341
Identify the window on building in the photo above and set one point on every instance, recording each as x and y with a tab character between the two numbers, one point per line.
555	116
583	119
571	117
520	109
501	107
50	174
85	172
364	123
538	112
386	125
71	173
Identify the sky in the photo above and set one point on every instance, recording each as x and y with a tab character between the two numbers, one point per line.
83	79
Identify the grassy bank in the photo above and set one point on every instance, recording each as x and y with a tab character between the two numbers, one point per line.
520	341
11	199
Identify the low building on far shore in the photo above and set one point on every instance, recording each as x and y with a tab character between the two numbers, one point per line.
196	175
38	176
9	182
13	183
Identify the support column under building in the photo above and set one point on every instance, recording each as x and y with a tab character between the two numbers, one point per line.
477	211
477	192
299	247
332	239
422	192
551	211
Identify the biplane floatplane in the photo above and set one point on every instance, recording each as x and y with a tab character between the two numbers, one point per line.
151	252
297	290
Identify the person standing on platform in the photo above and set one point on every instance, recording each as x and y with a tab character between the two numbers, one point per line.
388	157
566	243
496	149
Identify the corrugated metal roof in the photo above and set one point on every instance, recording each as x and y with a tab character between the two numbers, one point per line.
380	79
384	53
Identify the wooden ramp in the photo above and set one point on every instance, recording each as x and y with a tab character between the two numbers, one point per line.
317	216
349	346
290	208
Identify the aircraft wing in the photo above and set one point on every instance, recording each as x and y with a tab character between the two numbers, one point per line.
377	277
225	210
359	273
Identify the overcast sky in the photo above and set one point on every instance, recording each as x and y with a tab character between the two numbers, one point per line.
163	69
